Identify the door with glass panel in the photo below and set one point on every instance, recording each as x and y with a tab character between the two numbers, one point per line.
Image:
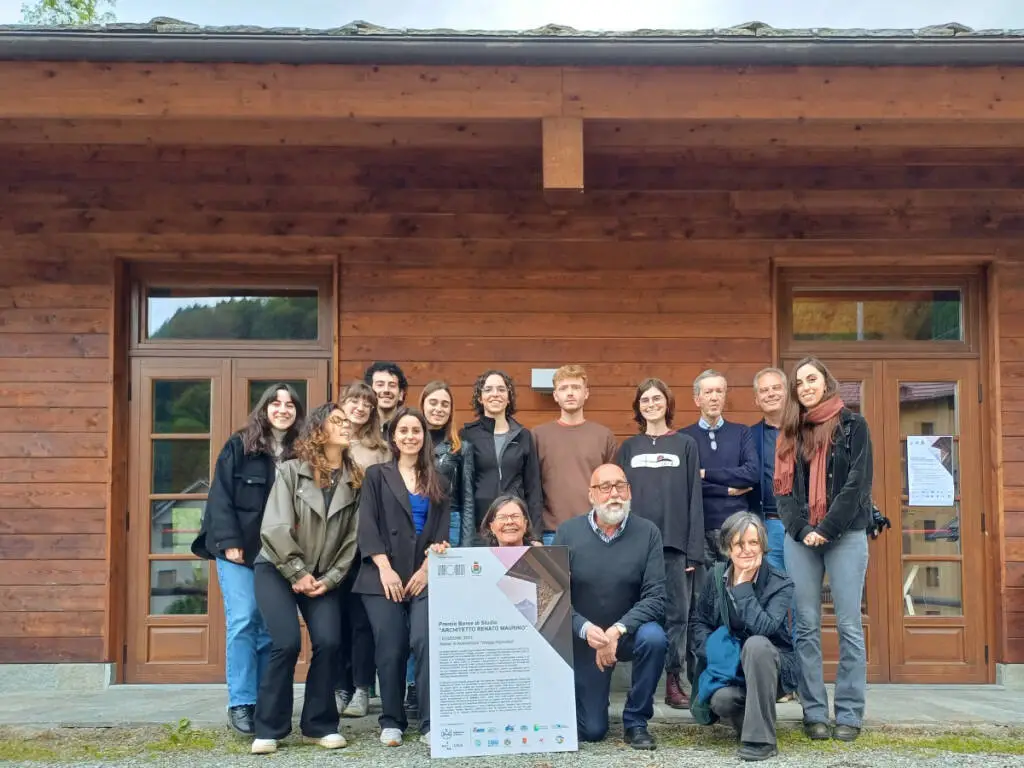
182	412
933	493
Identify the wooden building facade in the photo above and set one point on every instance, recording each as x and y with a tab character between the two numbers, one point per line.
642	220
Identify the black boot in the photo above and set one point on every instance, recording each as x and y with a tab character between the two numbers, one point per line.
241	719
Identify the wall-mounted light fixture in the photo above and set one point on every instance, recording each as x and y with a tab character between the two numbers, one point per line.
542	379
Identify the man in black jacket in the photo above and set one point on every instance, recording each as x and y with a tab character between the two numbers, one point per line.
390	385
617	584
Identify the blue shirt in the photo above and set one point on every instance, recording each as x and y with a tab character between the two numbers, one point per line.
769	437
420	504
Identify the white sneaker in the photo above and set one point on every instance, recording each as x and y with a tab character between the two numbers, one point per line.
331	741
359	705
264	746
391	737
425	738
341	700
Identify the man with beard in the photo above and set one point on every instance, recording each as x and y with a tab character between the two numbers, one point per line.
617	585
569	450
390	386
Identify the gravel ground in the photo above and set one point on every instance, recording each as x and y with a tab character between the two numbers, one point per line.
676	750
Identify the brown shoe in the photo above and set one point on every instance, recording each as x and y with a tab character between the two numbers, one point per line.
674	696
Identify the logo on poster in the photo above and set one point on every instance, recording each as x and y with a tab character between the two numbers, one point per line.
560	739
476	569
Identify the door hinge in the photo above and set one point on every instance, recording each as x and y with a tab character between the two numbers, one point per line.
986	654
330	383
984	528
124	655
980	395
127	520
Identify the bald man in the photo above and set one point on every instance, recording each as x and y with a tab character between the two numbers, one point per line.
617	584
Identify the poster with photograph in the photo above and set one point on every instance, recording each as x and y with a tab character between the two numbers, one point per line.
501	679
930	470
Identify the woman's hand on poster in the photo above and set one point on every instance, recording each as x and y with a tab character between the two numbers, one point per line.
417	582
814	539
392	584
439	549
304	585
235	555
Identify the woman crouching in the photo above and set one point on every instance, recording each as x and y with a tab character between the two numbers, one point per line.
747	600
309	543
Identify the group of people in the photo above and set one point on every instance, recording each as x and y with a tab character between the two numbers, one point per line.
699	552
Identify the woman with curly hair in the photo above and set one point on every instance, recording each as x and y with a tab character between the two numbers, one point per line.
309	543
230	536
404	510
504	455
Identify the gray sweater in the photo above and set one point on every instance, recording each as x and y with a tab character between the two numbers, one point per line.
620	581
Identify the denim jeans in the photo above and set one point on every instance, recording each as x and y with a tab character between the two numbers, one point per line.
646	649
455	527
548	537
845	561
248	641
776	556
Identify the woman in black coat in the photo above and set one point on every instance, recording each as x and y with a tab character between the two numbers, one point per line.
230	535
757	601
504	455
403	510
453	458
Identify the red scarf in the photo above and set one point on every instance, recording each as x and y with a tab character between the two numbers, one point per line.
817	426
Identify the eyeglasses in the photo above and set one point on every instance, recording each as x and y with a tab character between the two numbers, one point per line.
493	390
339	422
605	488
502	519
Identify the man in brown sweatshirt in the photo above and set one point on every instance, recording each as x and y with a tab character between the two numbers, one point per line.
570	449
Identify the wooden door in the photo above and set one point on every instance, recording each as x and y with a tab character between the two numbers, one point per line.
935	551
182	412
860	383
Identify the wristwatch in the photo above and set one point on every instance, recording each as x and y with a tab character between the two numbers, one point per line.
621	627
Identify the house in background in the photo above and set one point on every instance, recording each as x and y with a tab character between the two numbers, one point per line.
188	214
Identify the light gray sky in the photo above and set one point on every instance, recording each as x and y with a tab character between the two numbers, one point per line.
582	14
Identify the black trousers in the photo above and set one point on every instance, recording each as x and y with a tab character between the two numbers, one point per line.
355	662
278	603
397	627
750	709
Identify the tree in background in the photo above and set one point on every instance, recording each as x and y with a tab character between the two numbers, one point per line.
68	12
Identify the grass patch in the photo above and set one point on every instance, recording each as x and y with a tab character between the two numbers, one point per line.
974	741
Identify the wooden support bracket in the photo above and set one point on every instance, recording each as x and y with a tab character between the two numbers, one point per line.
563	153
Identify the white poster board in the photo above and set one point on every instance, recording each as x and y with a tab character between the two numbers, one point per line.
501	678
930	470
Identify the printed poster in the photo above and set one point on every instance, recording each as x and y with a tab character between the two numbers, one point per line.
930	470
501	679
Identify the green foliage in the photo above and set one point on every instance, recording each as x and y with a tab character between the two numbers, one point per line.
68	12
278	317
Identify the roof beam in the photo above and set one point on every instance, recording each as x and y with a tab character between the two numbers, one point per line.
76	90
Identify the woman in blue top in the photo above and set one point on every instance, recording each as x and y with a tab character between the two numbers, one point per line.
403	510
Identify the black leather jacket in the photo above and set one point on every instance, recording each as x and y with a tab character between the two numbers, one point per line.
456	470
848	487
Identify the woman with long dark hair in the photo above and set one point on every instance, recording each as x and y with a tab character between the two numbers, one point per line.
356	670
230	535
822	487
403	511
504	455
452	458
309	544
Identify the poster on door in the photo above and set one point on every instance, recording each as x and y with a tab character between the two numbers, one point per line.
501	679
930	470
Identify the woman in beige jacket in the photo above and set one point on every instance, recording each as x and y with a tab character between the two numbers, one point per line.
309	543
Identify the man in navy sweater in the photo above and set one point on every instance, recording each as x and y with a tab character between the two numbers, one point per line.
617	585
729	466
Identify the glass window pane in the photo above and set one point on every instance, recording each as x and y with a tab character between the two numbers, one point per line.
257	387
232	314
932	589
852	393
178	587
877	315
931	530
174	523
181	407
181	466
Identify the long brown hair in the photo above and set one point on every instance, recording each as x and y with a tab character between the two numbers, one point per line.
369	433
793	414
256	432
449	428
427	481
310	448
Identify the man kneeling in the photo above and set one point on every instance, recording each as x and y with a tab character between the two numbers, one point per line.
617	582
743	609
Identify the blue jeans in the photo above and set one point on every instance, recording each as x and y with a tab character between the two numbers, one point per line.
846	562
548	537
646	649
247	643
776	556
455	527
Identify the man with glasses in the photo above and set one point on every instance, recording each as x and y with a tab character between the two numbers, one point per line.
617	586
663	470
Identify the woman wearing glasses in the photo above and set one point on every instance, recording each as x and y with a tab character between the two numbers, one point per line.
663	470
507	524
504	456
